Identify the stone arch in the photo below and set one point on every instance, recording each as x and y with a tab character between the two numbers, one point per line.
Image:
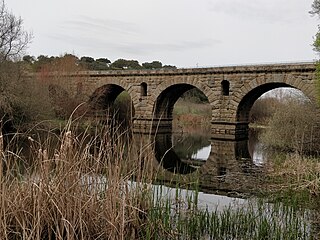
90	90
164	103
105	95
102	99
167	94
252	92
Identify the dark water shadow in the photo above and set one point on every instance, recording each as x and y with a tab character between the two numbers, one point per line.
167	157
229	165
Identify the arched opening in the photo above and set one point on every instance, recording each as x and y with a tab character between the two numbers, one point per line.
189	113
225	88
280	117
168	98
143	89
245	105
111	103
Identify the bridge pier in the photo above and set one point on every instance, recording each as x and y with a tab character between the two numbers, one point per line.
229	130
152	125
219	130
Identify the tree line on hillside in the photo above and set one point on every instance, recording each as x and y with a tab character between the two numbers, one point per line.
89	63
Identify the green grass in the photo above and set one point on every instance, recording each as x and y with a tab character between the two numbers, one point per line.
182	219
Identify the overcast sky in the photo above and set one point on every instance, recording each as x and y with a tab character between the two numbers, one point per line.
185	33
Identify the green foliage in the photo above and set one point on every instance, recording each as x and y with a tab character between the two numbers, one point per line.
316	43
103	60
125	64
152	65
29	59
91	64
169	67
87	59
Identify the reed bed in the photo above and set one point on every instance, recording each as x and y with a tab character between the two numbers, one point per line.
78	190
296	172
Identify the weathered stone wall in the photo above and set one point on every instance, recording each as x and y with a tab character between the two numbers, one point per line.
230	107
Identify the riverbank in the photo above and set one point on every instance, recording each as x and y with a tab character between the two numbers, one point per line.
82	189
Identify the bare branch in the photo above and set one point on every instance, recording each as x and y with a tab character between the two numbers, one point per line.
13	38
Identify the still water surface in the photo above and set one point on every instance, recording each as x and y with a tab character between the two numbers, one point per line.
185	152
190	146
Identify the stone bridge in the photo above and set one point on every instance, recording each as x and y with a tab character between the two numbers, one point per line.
231	92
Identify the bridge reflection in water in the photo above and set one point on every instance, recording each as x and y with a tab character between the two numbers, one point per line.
222	165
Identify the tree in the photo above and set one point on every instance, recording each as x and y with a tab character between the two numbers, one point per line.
316	11
315	7
13	38
13	42
87	59
125	64
169	67
19	100
29	59
152	65
106	61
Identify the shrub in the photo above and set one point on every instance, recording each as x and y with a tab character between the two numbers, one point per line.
294	126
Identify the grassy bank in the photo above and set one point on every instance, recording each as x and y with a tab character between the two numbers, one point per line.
186	114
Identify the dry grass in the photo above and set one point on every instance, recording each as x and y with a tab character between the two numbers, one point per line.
189	114
297	173
82	191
